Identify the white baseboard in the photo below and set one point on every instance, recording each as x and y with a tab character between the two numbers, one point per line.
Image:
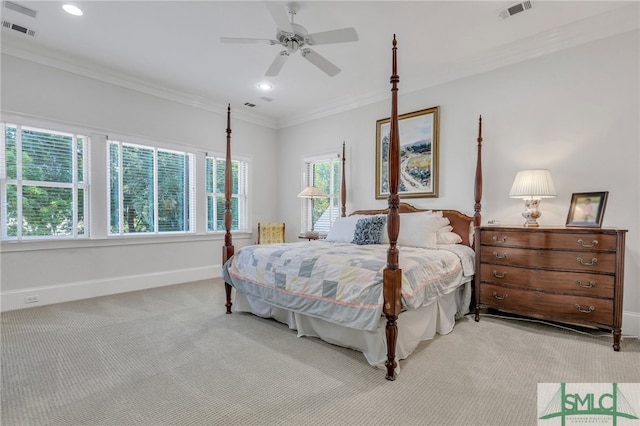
47	295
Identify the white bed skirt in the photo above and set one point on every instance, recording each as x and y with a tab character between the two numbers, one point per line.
413	326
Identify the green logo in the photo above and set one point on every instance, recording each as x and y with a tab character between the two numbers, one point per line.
586	403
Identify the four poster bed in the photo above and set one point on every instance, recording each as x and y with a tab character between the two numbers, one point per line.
351	288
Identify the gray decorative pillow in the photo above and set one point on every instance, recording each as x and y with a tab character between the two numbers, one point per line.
369	230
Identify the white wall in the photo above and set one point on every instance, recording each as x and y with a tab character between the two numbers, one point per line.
574	112
59	271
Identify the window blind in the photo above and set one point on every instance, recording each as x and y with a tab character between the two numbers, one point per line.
151	190
215	188
319	213
43	183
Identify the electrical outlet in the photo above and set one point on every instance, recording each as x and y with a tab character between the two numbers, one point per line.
31	299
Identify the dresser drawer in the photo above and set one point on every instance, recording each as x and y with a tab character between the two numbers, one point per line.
574	309
557	240
549	259
577	283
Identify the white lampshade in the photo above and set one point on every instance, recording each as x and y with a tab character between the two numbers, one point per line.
312	192
533	184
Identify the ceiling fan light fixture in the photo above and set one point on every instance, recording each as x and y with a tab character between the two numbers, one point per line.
295	38
292	45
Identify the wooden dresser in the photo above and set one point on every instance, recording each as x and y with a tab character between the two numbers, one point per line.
568	275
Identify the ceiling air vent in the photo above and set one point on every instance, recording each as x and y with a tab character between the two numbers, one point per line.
20	9
266	98
249	104
18	28
516	8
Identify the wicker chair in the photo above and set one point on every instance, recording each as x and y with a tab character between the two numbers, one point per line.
270	233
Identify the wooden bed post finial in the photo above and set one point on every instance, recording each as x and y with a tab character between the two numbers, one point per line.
227	249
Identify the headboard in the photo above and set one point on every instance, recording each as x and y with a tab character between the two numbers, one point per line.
461	223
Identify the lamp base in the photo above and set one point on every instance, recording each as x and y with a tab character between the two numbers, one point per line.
531	213
311	234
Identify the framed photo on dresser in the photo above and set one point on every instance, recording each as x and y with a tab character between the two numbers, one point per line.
587	209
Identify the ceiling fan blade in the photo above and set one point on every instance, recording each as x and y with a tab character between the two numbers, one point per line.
334	36
240	40
277	64
280	16
320	62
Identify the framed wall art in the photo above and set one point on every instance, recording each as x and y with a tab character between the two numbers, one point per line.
587	209
419	152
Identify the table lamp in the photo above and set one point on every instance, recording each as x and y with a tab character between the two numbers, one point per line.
532	186
312	192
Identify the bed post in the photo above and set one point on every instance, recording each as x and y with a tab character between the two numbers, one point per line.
392	279
343	187
477	221
227	250
478	184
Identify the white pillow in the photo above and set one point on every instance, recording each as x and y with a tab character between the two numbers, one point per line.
418	236
447	228
447	236
420	229
343	229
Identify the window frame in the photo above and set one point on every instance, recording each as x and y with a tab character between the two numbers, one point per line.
242	195
306	211
191	208
78	184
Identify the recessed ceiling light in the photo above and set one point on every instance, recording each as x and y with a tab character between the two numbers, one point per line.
73	10
265	86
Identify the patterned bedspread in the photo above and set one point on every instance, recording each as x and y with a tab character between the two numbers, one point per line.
340	282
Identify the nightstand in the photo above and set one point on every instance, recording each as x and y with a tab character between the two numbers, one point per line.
567	275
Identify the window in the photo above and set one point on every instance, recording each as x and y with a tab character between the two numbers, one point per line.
318	214
216	197
147	189
43	183
150	190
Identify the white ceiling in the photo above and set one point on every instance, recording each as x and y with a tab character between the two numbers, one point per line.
173	49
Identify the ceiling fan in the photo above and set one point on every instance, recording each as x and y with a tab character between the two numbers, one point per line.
295	38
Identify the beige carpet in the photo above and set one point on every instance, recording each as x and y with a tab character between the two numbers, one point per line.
170	356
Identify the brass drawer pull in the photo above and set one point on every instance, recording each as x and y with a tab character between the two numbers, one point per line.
585	311
582	262
504	256
593	243
499	240
497	275
590	284
497	296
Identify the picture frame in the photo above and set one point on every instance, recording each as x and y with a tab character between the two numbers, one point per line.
587	209
419	133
